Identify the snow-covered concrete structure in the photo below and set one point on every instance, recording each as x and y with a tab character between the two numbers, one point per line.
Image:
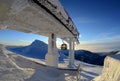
44	17
71	53
111	69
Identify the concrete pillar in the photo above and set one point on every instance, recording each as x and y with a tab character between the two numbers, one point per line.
52	55
71	54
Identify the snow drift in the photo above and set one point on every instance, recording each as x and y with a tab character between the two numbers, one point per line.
9	70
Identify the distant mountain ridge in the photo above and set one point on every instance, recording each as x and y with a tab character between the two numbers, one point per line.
37	49
38	43
90	57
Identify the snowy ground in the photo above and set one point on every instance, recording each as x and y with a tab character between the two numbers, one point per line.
14	67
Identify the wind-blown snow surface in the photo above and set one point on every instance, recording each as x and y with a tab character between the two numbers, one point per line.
14	67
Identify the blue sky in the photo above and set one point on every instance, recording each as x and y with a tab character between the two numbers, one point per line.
12	37
98	22
94	17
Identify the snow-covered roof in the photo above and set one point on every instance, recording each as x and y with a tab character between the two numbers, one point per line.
37	16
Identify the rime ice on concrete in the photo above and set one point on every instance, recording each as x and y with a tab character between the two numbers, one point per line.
41	17
71	53
52	55
111	70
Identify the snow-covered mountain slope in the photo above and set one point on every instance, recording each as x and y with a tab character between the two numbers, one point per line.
37	49
87	56
14	67
111	70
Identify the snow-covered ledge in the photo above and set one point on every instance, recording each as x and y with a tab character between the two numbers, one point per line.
52	55
111	70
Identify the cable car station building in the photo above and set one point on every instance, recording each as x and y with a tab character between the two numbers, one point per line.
43	17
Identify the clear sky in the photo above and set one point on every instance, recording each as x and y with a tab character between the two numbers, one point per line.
98	22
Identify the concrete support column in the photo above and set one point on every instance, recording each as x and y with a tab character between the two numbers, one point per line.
52	55
71	54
